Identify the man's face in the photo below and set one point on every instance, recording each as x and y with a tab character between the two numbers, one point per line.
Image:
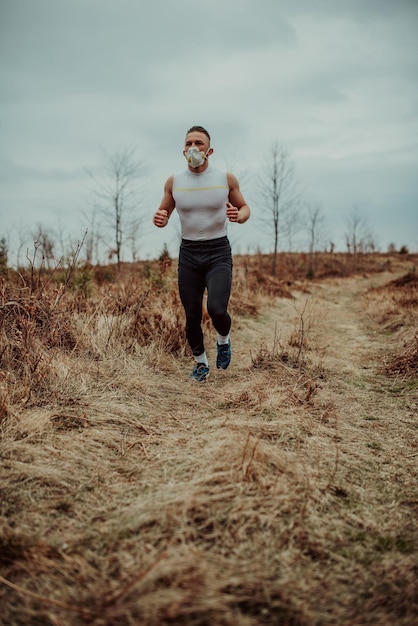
198	140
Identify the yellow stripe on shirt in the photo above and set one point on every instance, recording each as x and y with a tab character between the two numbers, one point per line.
200	188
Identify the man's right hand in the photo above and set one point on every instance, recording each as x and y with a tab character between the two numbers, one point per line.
160	218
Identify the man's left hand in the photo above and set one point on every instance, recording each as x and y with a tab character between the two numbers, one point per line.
232	212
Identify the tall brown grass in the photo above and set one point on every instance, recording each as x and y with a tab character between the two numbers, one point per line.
130	496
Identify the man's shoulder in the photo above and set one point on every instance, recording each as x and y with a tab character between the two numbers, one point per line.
178	175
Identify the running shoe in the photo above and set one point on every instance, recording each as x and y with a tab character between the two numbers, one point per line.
223	358
200	372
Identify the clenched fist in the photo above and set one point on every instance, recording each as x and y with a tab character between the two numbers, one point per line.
231	212
160	218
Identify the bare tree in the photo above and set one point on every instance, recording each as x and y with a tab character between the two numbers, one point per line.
45	243
93	237
22	237
315	226
117	191
358	237
281	192
134	235
4	255
292	224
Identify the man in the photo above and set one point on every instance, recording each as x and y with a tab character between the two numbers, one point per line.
205	199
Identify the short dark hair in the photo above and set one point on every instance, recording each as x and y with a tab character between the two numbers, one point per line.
198	129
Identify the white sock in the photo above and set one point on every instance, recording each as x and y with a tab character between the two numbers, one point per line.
202	358
223	340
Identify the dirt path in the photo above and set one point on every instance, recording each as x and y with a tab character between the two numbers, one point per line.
359	440
355	349
372	417
375	414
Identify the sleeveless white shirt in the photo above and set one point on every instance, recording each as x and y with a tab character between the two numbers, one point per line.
200	201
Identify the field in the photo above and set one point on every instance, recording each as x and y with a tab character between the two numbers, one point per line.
283	491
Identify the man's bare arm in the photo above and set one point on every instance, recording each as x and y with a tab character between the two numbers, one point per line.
237	210
167	205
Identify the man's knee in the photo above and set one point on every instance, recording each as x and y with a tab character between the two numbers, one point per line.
215	309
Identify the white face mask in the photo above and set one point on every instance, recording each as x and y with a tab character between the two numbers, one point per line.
195	157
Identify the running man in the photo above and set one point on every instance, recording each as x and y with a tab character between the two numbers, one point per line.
205	199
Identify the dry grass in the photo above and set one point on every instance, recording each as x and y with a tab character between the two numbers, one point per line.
283	491
396	304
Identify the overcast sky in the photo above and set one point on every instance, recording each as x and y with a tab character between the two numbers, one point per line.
335	82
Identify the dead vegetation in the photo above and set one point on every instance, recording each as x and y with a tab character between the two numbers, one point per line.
283	491
397	304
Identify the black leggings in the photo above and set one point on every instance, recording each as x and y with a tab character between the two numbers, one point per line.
205	265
